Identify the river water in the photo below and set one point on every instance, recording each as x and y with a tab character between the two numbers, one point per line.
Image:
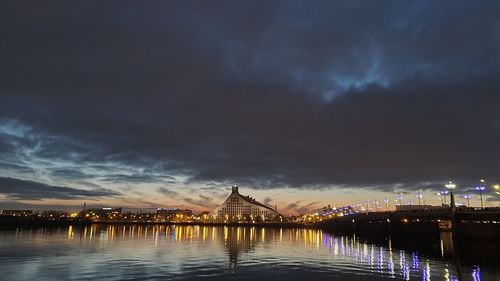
155	252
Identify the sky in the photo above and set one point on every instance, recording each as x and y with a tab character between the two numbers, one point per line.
147	104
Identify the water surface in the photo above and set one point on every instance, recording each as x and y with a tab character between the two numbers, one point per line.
140	252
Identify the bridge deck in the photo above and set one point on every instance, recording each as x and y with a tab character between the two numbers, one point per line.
436	214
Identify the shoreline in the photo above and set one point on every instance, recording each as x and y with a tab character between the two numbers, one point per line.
27	222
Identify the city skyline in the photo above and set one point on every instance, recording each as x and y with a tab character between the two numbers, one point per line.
389	201
170	104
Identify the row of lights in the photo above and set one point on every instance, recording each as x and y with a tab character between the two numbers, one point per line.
450	186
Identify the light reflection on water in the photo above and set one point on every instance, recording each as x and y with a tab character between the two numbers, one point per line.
156	252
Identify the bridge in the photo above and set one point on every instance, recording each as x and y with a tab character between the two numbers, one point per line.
466	222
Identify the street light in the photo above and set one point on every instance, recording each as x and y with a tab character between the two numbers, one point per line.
497	188
468	197
480	187
440	198
450	186
419	196
444	193
386	201
400	197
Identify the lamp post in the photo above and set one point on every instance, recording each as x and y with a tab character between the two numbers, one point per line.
468	197
450	186
400	197
444	193
480	187
440	198
419	196
386	201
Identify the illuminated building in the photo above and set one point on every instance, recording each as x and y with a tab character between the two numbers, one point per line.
16	212
103	213
54	214
174	215
173	212
242	208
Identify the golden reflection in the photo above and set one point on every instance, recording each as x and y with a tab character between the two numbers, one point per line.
91	232
226	234
178	233
239	240
189	233
70	232
112	232
157	234
446	274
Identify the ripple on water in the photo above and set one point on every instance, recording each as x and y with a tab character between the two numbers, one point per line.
216	253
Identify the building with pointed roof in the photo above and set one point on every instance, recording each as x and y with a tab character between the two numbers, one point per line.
242	208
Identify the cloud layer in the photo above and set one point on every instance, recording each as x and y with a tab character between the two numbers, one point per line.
30	190
266	94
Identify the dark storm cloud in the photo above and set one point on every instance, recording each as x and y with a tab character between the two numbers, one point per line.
139	178
307	208
301	208
87	184
17	205
31	190
262	93
168	192
202	201
6	167
409	187
70	174
293	205
267	201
